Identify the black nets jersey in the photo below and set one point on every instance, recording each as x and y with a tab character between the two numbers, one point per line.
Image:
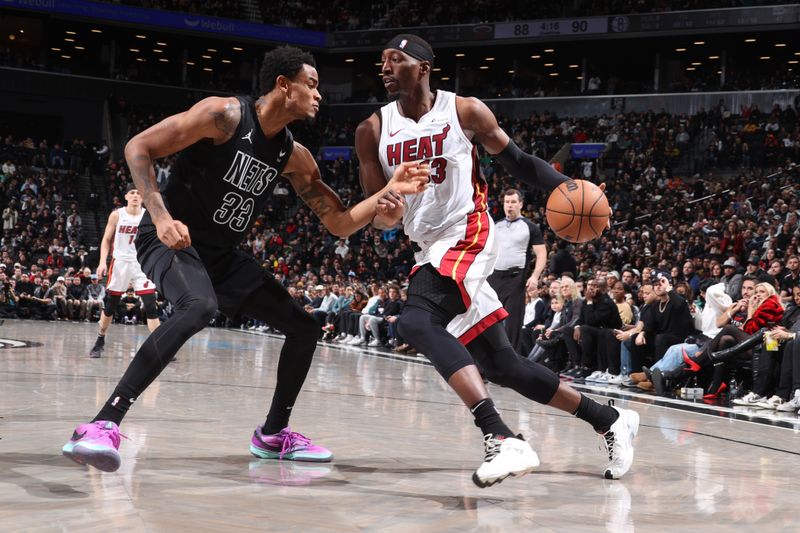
219	191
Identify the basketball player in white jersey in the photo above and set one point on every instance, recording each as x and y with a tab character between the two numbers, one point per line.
452	315
119	238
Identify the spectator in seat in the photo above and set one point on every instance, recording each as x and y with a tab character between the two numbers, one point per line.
391	312
690	277
43	307
341	303
672	319
95	295
348	319
790	279
633	346
594	331
375	310
563	262
130	308
8	299
10	216
76	300
732	278
570	314
58	294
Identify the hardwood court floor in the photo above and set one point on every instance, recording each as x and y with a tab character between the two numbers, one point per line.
404	450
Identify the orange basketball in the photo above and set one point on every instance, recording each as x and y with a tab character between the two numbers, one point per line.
577	211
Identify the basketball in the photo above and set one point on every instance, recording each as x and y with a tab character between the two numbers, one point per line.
577	211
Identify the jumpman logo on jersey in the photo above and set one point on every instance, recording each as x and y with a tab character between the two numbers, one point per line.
249	136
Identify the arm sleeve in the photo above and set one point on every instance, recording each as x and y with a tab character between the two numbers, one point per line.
529	169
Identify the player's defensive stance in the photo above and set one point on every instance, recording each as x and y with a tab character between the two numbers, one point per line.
234	151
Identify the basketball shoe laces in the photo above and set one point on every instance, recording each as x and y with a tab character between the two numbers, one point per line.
607	444
492	445
293	440
113	434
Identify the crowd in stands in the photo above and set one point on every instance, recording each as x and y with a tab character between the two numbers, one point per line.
214	8
675	239
343	15
537	84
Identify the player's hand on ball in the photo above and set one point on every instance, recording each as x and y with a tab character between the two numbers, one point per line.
174	234
411	177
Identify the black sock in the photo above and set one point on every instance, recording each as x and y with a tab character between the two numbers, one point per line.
101	340
600	416
277	419
115	408
488	419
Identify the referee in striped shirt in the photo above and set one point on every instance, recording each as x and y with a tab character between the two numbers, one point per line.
518	240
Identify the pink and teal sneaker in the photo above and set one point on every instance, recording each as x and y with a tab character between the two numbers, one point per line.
95	444
289	446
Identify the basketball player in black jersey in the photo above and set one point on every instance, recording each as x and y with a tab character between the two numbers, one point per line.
233	152
435	299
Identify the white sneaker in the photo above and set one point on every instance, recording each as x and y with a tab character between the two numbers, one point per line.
594	375
504	457
792	405
374	342
750	399
358	341
615	379
602	379
772	403
618	443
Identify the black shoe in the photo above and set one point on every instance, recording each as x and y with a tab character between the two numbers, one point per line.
658	381
97	351
569	372
725	355
648	373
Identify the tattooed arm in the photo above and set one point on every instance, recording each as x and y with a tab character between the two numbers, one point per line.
303	173
213	118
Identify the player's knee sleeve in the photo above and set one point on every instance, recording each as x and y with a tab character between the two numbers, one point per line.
110	303
426	332
150	307
503	366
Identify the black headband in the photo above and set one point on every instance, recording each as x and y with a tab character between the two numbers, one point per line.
410	45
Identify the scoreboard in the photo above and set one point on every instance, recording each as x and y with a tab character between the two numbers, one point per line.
550	28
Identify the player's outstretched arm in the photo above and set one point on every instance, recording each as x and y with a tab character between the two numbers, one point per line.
479	121
212	118
303	173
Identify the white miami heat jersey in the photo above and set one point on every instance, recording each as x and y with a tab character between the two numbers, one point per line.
456	189
124	247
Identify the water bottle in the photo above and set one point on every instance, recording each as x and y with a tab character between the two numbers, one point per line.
734	389
696	392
